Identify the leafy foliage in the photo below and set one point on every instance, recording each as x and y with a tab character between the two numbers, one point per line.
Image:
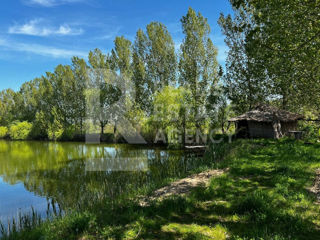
128	80
55	128
20	130
171	113
198	64
274	53
3	131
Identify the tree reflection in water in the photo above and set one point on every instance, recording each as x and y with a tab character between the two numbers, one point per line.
59	171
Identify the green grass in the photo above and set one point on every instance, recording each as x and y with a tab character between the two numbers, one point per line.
264	195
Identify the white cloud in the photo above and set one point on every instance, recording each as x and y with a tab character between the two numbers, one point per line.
51	3
35	28
41	49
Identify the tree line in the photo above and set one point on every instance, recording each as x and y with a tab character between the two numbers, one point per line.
273	58
55	105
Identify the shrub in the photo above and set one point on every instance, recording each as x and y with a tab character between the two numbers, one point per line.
55	128
3	132
311	129
55	131
20	130
39	128
68	134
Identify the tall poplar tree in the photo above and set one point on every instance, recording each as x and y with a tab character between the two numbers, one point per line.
139	74
80	72
245	79
198	62
161	57
122	55
103	73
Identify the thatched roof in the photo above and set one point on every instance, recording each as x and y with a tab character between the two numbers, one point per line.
264	113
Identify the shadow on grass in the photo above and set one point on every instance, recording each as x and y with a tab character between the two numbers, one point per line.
254	214
263	196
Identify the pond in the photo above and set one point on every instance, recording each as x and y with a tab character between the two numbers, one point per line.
49	176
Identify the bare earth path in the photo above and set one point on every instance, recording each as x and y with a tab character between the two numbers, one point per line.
183	186
316	186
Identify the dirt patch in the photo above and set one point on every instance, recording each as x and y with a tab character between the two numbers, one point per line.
183	186
316	186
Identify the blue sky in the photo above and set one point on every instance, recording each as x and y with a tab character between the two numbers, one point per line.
37	35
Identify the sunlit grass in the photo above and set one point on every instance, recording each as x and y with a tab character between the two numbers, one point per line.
194	231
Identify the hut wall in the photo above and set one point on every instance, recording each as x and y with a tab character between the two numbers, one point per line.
288	126
261	129
242	129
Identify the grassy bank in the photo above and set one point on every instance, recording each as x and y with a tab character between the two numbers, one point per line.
264	195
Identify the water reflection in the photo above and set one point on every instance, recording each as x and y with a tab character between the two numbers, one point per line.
76	174
15	200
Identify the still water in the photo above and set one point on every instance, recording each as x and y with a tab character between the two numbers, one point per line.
49	176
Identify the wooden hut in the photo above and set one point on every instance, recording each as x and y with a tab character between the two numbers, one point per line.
266	122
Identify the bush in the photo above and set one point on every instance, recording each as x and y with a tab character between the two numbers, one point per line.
68	134
3	132
20	130
55	130
311	129
39	127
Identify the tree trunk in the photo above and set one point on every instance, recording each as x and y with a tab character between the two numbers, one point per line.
81	125
277	129
222	123
222	127
184	131
114	129
114	133
102	128
284	99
